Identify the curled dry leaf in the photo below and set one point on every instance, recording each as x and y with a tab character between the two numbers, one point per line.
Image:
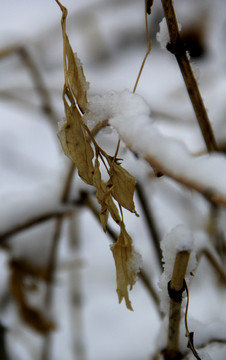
127	262
76	77
75	144
104	197
123	186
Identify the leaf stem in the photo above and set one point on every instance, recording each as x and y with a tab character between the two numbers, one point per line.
149	45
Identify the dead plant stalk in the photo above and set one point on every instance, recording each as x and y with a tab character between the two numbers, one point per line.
176	288
178	49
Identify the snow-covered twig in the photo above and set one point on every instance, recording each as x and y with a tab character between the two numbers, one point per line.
129	114
175	289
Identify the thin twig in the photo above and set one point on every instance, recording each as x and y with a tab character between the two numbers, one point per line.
213	261
3	343
53	256
150	221
75	286
36	76
149	45
63	25
178	49
37	220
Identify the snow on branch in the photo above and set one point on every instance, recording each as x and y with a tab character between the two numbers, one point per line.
129	114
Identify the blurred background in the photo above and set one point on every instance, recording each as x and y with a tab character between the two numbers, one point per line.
57	283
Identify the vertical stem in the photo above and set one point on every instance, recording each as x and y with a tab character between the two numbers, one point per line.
176	287
75	283
177	48
150	221
53	257
3	344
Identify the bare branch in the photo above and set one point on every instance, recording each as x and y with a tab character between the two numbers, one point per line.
178	49
35	74
150	221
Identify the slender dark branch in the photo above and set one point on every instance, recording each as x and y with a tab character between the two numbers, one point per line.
3	343
53	255
215	264
4	237
150	221
178	49
40	87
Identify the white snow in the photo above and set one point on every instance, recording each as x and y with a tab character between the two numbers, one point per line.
179	239
129	114
163	35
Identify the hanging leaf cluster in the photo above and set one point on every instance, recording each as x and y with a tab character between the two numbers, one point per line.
80	146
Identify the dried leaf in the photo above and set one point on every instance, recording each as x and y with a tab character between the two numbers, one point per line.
104	197
123	187
75	144
127	262
76	77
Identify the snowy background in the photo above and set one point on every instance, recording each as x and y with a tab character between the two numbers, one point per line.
109	38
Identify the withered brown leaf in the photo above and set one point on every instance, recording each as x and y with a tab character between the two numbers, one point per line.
75	144
104	197
127	262
76	77
123	186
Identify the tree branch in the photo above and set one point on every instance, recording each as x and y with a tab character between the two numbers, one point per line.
40	87
4	237
178	49
150	222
